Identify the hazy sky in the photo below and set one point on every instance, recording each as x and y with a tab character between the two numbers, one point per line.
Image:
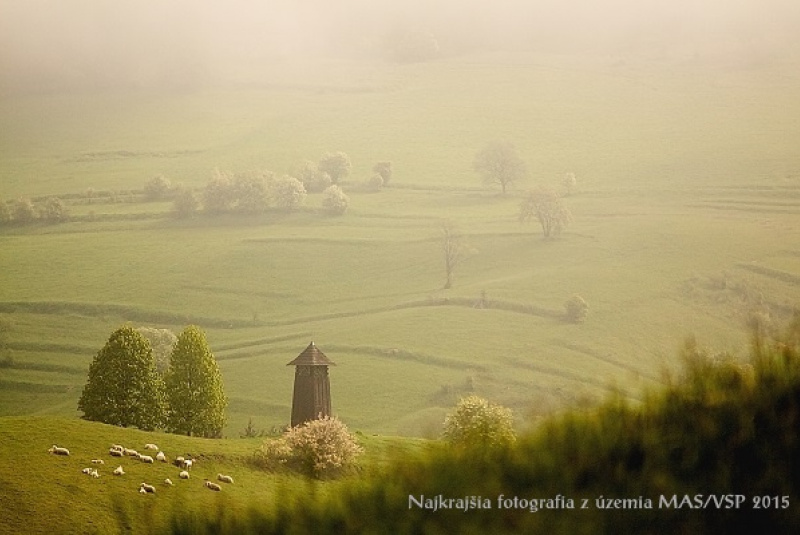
110	42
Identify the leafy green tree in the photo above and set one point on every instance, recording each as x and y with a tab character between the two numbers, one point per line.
54	210
218	195
384	169
124	387
335	201
157	188
336	164
196	398
312	178
478	423
499	163
251	191
185	203
24	211
287	192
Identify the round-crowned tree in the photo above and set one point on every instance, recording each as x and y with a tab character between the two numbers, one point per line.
195	393
335	201
123	387
336	164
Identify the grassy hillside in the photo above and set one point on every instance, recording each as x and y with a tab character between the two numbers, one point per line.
48	493
684	221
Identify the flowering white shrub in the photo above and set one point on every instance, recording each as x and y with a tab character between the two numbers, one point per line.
476	422
318	448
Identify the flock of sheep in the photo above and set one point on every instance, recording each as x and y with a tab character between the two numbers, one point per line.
116	450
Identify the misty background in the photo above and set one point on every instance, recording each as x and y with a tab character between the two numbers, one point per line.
54	45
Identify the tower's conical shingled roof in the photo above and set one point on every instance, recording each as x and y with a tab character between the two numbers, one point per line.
312	356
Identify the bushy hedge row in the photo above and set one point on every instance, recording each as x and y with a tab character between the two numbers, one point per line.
723	429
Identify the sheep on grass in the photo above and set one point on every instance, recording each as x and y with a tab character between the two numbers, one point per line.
211	485
55	450
224	479
184	475
118	471
147	488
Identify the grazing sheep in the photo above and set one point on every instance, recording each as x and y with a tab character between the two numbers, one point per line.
168	481
178	461
148	488
224	479
151	447
115	453
94	474
117	447
146	459
118	471
212	486
161	457
131	453
86	471
184	475
187	464
98	461
55	450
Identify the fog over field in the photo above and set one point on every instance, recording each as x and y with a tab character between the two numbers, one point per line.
50	45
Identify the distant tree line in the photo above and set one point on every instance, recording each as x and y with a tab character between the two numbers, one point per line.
23	211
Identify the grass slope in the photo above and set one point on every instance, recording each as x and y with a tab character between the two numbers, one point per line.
46	493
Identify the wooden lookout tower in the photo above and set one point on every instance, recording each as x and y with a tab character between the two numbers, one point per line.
312	388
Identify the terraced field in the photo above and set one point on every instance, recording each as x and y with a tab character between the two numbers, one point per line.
685	221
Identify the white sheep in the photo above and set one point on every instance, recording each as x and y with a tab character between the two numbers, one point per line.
151	447
148	488
161	457
146	459
224	479
115	453
118	471
187	464
168	481
94	474
131	453
117	447
86	471
55	450
212	486
98	461
184	475
142	491
178	461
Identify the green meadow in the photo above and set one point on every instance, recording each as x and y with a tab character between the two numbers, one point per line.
685	221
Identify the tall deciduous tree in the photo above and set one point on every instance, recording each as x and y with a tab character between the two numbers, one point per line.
499	163
123	386
196	398
454	249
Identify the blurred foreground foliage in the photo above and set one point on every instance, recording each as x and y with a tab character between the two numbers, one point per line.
721	427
